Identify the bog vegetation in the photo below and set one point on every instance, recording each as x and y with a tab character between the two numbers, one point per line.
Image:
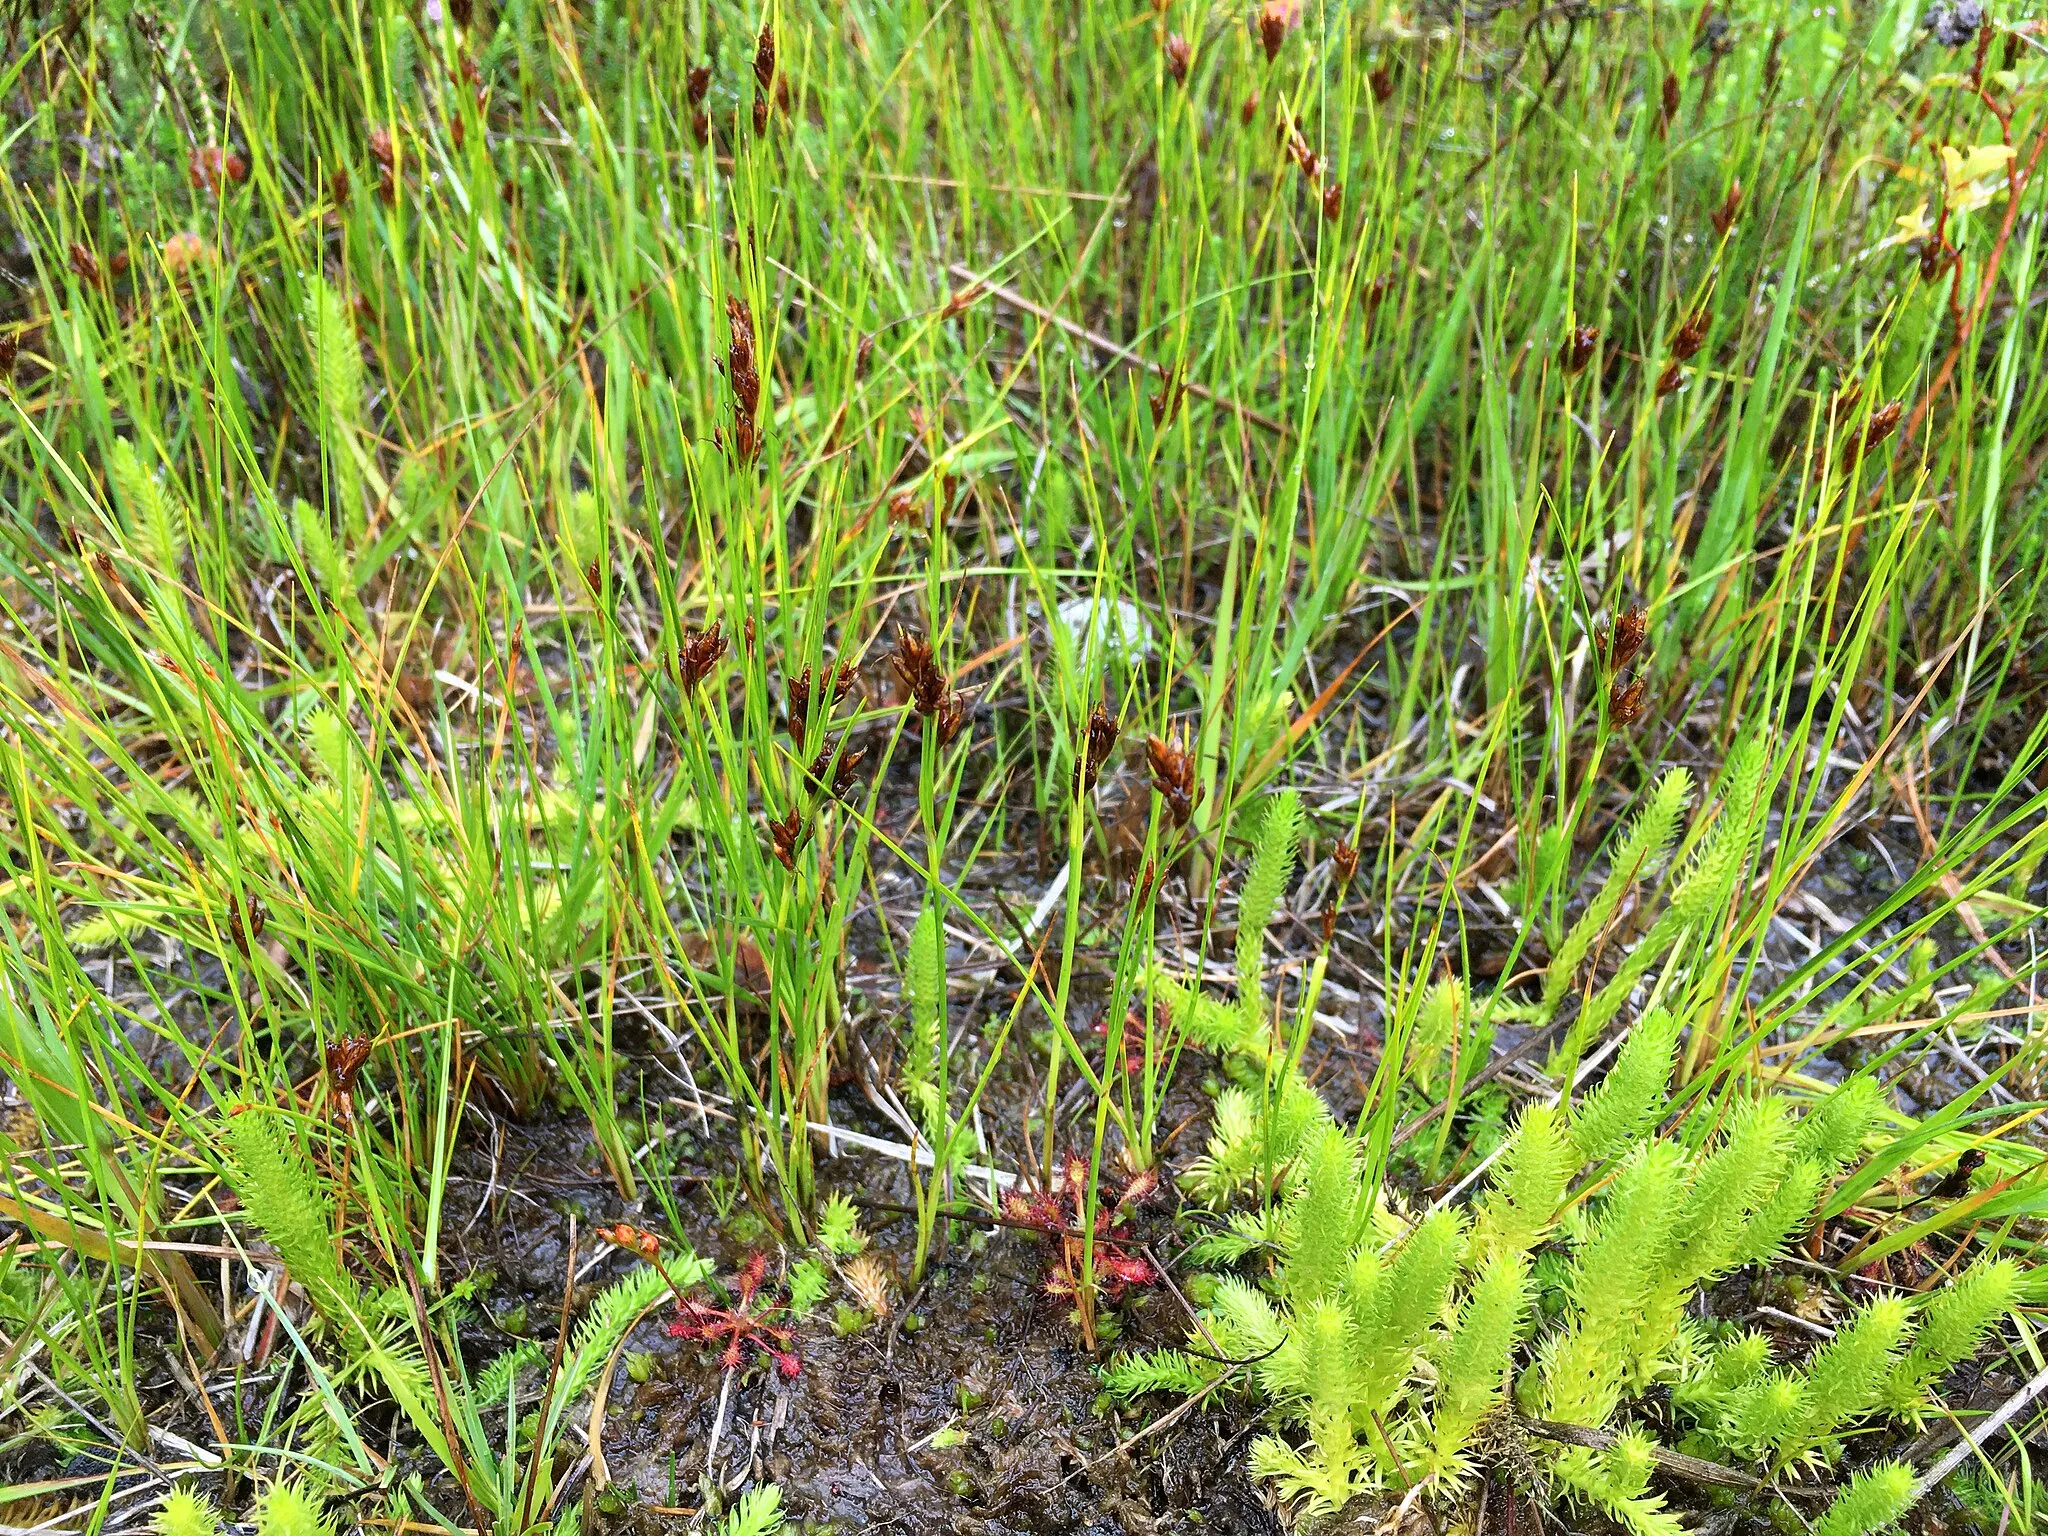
1323	720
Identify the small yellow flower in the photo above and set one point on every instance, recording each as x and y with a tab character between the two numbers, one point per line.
1912	226
1967	176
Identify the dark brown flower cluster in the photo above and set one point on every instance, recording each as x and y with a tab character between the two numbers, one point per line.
1577	348
788	835
1178	53
835	778
769	86
745	379
697	86
1344	859
1617	646
799	698
701	650
1173	775
1883	422
1098	739
345	1058
1173	390
927	686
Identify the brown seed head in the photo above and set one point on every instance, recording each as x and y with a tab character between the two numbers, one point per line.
739	358
1098	740
838	682
919	674
1669	106
1173	775
1883	422
1178	54
84	263
841	776
1669	380
698	84
1298	151
764	56
760	113
382	148
951	717
864	350
786	836
700	652
1276	19
345	1058
1382	82
1617	647
1345	858
246	922
1166	404
1625	698
1691	336
10	347
1578	347
1250	109
1731	206
1333	200
961	300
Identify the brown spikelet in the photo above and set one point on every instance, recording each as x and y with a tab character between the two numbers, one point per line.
764	56
1178	53
700	652
862	351
951	717
1731	207
1098	739
1382	82
1669	380
345	1058
1173	390
841	776
1173	775
1691	336
745	379
962	300
10	347
760	113
698	84
1333	200
1883	422
1276	20
786	836
1625	699
1250	109
1577	348
84	264
1668	107
1617	646
836	683
918	672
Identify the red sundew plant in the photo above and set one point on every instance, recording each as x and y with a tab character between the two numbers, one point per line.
1061	1214
743	1326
